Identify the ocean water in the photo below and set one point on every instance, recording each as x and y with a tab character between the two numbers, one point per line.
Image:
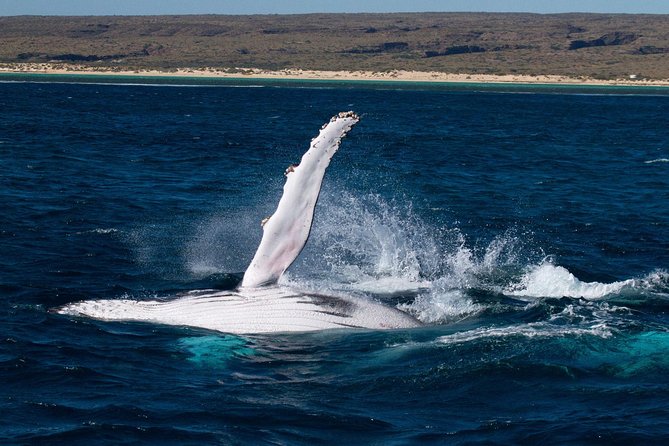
527	228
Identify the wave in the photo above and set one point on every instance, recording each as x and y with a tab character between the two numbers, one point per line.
658	160
548	280
530	330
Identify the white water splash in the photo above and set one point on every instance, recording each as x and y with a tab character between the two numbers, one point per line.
465	269
657	281
548	280
441	305
365	243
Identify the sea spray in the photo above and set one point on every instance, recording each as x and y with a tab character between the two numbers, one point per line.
222	243
364	243
361	238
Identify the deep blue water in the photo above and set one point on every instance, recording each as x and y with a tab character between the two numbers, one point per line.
529	230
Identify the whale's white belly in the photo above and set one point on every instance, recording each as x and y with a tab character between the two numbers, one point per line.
247	311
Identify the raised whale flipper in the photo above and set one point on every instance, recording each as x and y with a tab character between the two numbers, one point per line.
287	230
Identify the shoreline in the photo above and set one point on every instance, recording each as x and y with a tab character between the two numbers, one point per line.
307	75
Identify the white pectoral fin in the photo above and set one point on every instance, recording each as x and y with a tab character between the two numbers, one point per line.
286	231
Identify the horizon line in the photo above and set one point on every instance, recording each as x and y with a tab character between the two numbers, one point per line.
328	13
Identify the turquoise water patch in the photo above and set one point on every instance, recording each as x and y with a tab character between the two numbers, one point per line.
214	351
643	354
647	353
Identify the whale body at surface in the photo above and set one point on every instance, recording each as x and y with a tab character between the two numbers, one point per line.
251	311
259	305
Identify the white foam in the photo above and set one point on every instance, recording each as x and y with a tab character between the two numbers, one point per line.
531	330
656	280
441	306
548	280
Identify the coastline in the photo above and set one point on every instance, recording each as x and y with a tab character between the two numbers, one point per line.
307	75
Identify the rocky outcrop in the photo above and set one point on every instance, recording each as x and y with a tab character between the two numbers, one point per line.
148	50
649	49
460	49
610	39
387	47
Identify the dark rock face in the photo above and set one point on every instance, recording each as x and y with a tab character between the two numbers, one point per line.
387	47
610	39
90	30
461	49
22	57
68	57
85	58
394	46
148	50
75	57
649	49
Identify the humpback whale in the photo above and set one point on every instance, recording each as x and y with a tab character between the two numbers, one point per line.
260	304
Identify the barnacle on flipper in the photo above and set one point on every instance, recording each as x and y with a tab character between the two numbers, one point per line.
348	114
290	169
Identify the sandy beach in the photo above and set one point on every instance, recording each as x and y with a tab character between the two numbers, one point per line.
299	74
